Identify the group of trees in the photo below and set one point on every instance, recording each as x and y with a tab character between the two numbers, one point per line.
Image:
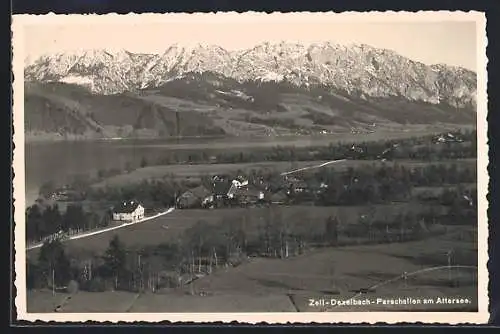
153	194
54	268
205	247
45	221
363	184
378	184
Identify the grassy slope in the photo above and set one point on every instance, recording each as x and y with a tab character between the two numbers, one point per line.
168	228
206	109
340	272
70	109
263	284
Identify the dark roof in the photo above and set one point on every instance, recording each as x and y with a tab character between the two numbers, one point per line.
254	191
126	207
200	192
279	196
221	187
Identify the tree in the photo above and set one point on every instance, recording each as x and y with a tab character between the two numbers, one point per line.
34	223
74	217
52	218
332	225
34	278
114	259
53	263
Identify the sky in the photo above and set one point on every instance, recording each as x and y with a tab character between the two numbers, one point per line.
448	41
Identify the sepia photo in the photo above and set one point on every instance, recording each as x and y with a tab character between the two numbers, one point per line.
301	167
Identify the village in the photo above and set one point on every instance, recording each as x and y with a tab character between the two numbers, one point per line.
295	186
227	192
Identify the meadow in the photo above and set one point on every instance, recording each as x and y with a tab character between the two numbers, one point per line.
170	227
286	285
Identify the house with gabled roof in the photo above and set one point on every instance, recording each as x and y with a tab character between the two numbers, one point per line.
193	197
249	195
296	185
128	211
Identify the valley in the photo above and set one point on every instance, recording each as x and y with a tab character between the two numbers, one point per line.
265	176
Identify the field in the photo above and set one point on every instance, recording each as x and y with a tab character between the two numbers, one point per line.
196	170
41	301
340	272
287	285
169	227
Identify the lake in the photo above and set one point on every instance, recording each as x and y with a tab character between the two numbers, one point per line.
59	161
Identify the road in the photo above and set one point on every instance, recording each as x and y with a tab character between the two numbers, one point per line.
85	235
312	167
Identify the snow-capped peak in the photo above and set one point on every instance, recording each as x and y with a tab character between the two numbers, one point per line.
360	68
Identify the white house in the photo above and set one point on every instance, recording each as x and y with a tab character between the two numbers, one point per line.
239	183
236	185
128	211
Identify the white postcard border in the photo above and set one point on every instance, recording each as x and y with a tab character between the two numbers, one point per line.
307	317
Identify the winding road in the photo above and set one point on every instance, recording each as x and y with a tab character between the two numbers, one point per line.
85	235
88	234
312	167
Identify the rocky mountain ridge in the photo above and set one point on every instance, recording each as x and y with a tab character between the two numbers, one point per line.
359	70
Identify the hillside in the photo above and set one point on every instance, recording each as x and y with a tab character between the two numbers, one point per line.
70	111
271	89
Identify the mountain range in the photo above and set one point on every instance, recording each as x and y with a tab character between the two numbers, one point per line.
272	88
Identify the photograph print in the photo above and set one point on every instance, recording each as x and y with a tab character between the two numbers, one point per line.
251	167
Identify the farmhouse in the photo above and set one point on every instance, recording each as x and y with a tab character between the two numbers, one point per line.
128	211
447	138
193	197
296	185
249	195
236	185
